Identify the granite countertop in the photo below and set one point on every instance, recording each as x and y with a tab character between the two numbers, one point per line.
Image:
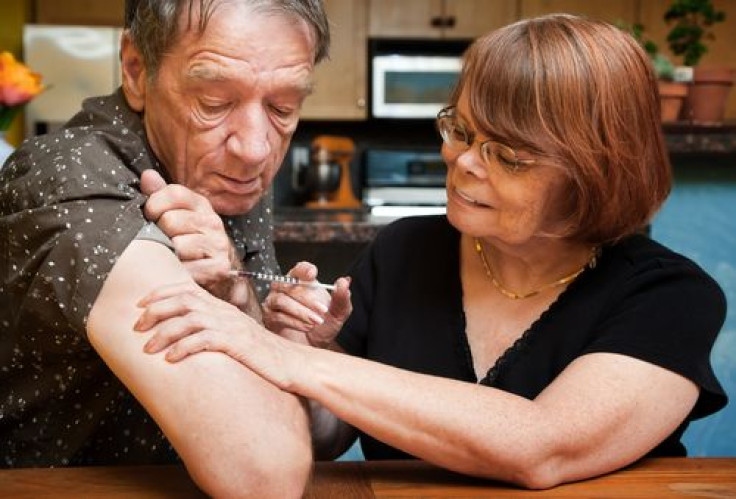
688	138
295	224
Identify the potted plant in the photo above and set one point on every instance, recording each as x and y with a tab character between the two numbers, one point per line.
671	93
691	22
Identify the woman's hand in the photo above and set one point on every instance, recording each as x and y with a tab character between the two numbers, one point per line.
187	319
306	314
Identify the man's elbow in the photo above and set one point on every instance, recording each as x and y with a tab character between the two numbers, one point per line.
258	476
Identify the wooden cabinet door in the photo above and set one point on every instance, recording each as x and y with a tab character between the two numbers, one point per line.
473	18
429	18
80	12
405	18
340	81
620	10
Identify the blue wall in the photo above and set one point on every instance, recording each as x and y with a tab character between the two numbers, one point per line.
699	221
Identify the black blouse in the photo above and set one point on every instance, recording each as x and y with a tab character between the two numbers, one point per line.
641	300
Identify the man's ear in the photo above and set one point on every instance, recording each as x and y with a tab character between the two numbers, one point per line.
134	73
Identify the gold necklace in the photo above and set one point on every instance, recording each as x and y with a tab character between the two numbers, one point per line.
516	296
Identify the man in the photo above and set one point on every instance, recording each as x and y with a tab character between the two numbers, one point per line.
210	99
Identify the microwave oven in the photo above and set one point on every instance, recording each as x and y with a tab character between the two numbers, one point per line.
413	79
412	86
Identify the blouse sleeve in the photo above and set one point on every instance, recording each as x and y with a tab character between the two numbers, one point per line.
669	314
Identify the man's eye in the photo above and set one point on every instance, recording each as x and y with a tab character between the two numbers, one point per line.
214	109
283	112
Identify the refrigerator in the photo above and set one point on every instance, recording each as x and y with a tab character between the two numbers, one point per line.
76	62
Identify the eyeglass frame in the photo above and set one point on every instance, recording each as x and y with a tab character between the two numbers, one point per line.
446	114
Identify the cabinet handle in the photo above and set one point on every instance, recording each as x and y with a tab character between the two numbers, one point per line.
437	22
450	22
360	102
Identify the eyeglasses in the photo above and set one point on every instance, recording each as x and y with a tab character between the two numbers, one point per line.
457	136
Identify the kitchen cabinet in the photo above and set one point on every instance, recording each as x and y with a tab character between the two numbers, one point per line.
448	19
619	11
80	12
340	81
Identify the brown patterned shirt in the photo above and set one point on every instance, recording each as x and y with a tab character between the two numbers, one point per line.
70	203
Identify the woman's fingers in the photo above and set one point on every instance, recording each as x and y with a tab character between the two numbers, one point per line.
168	291
165	307
204	340
304	271
174	329
313	298
289	304
277	321
340	306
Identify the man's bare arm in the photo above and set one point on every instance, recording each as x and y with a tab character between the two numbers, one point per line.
237	434
199	237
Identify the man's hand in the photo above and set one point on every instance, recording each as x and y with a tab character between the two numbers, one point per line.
199	238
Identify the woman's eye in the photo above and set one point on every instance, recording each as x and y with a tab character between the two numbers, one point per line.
459	134
509	158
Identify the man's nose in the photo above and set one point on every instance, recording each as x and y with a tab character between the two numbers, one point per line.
248	135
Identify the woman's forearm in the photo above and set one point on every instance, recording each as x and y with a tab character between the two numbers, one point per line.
595	418
440	420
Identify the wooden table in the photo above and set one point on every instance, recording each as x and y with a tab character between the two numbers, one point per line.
652	478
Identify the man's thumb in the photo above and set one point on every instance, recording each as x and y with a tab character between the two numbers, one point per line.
151	181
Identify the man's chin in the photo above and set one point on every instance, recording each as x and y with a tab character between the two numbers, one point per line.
230	206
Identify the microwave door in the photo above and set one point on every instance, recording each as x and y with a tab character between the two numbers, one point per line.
408	86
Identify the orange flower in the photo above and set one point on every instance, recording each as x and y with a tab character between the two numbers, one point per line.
18	84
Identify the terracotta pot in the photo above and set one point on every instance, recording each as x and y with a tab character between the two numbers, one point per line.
671	97
706	101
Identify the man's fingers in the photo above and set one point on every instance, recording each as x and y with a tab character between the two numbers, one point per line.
175	222
196	246
151	181
207	272
174	197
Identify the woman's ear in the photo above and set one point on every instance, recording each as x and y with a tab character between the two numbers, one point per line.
134	73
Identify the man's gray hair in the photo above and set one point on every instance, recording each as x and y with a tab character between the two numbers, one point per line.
153	24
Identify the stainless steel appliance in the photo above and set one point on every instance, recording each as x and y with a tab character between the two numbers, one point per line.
76	62
406	86
402	182
412	78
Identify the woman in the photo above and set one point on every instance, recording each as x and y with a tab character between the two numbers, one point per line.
534	335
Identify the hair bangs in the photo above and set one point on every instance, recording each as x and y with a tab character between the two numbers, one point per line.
502	92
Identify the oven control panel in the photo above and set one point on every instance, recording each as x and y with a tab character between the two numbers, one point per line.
404	177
